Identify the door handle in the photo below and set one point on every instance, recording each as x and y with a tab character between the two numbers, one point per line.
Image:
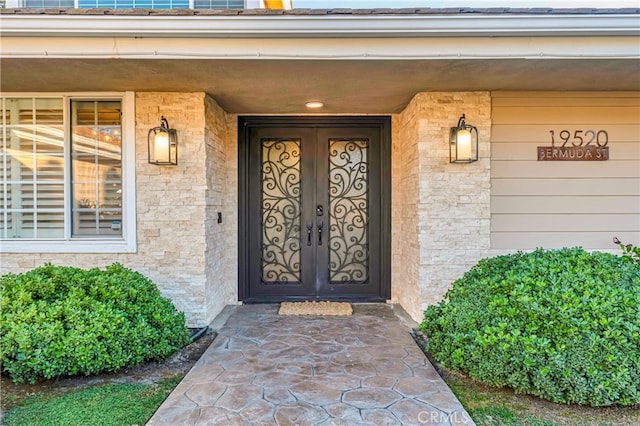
309	232
320	225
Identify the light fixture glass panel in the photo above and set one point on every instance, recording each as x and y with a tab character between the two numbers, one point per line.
161	147
464	144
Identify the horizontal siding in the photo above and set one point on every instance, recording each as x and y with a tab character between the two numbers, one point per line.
549	240
567	186
587	116
564	222
551	96
564	203
565	169
565	102
539	133
524	151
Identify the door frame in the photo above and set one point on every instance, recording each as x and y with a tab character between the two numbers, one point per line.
383	123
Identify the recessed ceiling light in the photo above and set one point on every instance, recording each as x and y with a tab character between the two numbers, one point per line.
314	104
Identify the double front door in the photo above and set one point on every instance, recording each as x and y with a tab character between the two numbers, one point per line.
315	223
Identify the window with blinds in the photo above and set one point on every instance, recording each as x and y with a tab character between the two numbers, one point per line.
33	168
96	168
40	151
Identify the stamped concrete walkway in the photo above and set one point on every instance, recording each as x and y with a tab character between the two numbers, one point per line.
266	369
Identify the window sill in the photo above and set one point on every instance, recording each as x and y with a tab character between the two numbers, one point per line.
68	246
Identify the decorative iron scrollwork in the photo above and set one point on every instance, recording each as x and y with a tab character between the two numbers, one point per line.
349	211
281	180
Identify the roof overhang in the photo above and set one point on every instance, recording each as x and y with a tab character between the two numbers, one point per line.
362	63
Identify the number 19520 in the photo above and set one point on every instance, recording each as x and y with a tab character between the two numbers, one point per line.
580	137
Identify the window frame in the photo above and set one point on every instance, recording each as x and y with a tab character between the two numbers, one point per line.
68	244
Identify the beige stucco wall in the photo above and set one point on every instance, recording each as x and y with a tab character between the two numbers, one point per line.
441	211
176	208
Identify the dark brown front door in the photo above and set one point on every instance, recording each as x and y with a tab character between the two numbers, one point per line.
315	224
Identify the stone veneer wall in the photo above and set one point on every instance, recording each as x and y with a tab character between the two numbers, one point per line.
405	186
441	211
174	232
171	202
221	253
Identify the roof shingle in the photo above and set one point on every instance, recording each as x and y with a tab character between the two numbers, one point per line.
319	12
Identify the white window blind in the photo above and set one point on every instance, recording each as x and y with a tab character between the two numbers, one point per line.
96	164
63	174
33	168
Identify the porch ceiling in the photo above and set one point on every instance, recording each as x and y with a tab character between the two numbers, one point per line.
266	86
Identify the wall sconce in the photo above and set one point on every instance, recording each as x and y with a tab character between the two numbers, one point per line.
463	143
162	143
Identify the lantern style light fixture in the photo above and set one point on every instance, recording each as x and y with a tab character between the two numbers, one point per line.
463	143
162	143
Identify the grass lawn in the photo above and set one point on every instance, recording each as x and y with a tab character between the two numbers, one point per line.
502	407
134	403
128	397
112	404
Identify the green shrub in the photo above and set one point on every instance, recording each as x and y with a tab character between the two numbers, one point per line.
64	321
629	251
560	324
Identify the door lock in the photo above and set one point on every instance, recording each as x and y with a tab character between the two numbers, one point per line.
319	210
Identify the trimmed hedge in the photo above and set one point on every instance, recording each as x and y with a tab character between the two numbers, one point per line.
560	324
63	321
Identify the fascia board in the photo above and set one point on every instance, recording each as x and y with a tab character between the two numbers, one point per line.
319	26
382	48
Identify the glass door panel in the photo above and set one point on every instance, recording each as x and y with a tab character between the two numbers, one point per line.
348	210
281	203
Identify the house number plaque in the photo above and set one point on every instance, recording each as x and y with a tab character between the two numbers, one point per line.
581	145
